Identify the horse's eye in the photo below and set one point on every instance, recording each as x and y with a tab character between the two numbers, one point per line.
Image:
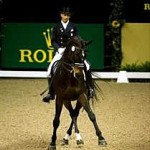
73	48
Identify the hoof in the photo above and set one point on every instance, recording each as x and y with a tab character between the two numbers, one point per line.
102	143
79	142
51	147
64	142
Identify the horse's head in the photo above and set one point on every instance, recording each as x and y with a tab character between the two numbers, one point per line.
76	50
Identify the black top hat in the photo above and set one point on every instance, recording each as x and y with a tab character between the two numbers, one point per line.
66	10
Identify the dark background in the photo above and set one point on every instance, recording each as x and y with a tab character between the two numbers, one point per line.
84	11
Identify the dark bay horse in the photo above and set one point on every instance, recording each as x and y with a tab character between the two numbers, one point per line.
69	85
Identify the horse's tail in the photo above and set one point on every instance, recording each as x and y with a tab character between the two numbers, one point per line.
97	89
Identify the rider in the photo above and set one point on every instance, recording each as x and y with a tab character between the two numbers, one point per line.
61	33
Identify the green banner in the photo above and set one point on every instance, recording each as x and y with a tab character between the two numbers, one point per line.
27	46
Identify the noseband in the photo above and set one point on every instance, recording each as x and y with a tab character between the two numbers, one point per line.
72	66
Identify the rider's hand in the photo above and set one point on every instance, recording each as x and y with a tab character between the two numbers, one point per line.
61	50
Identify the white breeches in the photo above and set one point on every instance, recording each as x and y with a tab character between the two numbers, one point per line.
58	57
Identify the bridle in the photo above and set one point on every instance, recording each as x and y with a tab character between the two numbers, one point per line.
71	67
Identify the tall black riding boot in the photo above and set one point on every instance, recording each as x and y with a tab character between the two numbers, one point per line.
51	93
89	84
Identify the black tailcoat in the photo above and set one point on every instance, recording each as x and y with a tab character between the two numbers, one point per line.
60	35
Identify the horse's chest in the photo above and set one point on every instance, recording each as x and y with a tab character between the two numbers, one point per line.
72	93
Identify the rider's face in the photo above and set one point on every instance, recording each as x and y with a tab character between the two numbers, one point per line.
65	17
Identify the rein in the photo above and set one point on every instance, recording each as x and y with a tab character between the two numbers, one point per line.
80	65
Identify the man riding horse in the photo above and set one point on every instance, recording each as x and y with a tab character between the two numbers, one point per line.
62	32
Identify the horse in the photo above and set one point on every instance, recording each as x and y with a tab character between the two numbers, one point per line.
69	85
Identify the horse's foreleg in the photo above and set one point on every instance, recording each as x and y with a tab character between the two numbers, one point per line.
56	122
65	140
92	117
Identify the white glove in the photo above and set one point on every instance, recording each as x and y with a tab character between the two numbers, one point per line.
61	50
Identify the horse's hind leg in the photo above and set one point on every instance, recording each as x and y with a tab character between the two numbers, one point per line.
86	105
65	140
74	115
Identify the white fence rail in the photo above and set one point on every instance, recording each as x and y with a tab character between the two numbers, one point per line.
121	76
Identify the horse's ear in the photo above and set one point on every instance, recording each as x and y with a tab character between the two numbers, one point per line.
88	42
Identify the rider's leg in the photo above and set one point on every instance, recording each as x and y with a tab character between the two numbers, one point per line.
89	80
51	93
